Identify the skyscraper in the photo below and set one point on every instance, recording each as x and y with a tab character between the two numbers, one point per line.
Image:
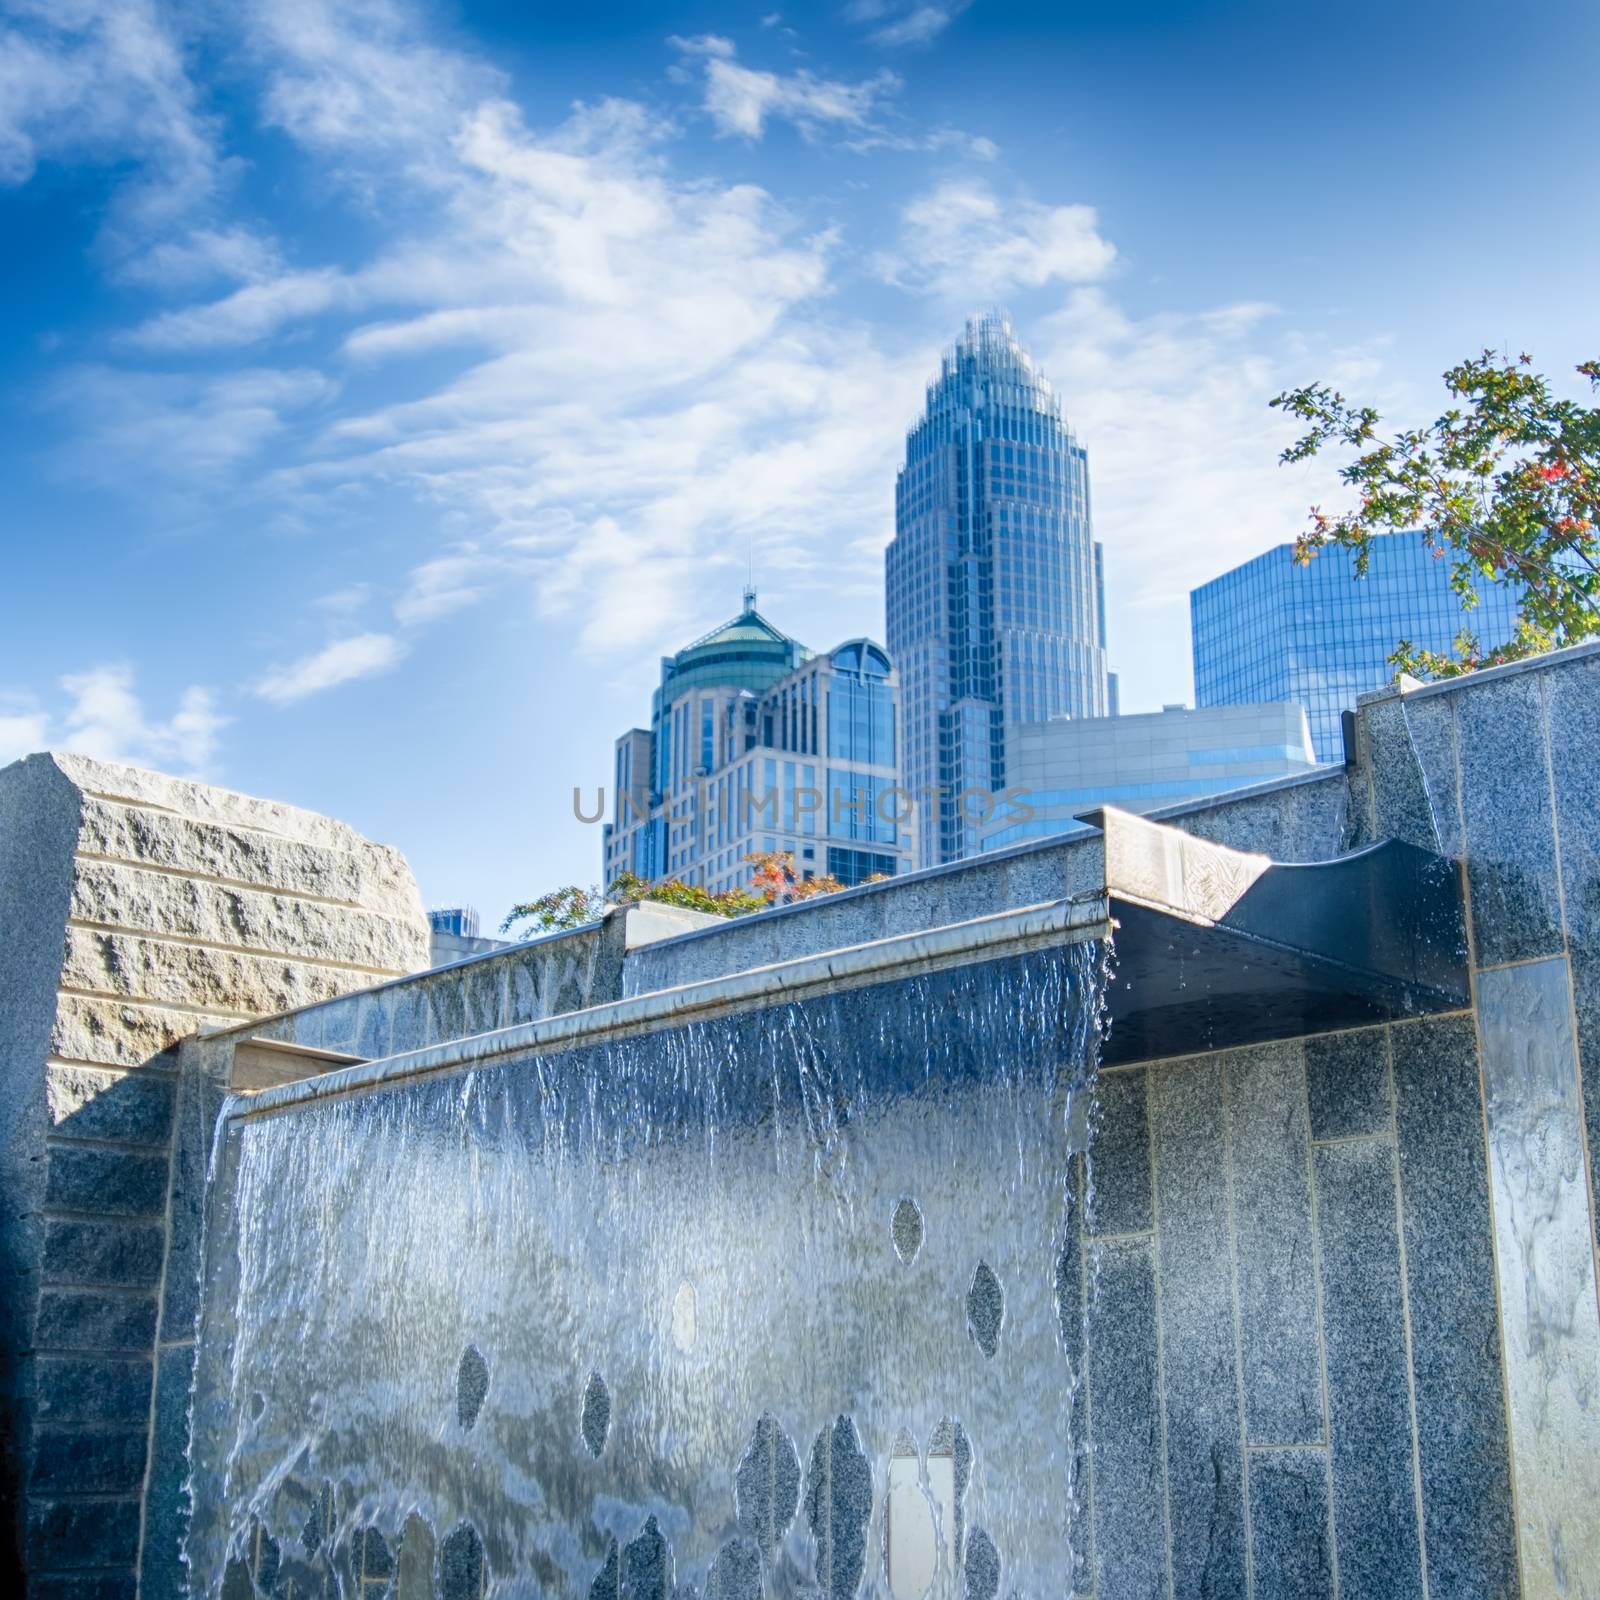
1318	634
995	597
757	744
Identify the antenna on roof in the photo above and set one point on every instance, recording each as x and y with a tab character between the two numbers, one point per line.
750	575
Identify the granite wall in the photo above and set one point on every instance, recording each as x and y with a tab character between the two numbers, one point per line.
1343	1336
557	972
1288	1279
137	909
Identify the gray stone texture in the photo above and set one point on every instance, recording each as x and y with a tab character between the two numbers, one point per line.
1278	1355
1431	723
1130	1543
1510	838
138	909
1545	1265
1121	1199
1374	1495
1458	1381
1299	820
1572	698
1200	1366
1291	1541
1347	1083
1401	807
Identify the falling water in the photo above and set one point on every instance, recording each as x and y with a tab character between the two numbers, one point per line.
783	1303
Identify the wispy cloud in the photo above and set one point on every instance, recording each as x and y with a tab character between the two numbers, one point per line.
24	728
364	655
896	23
742	100
965	243
179	429
1183	451
104	716
106	81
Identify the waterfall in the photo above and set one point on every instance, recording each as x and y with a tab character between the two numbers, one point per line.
786	1302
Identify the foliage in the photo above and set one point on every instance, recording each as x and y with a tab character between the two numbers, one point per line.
777	882
1505	485
567	907
629	889
773	882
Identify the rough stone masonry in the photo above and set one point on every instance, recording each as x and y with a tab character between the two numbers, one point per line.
183	906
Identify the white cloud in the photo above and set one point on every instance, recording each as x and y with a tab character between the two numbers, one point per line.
23	729
104	716
964	243
183	429
1183	452
896	23
364	655
741	100
106	81
203	255
447	584
247	315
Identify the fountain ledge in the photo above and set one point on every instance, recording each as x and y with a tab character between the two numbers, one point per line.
1371	936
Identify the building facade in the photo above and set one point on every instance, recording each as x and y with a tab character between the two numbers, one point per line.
757	744
1320	635
994	582
1059	769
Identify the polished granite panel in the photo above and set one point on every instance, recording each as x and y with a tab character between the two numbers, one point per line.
1573	703
1119	1157
1374	1495
1130	1545
1585	962
1347	1083
1272	1217
1544	1250
1510	836
1400	797
1450	1274
1200	1372
1291	1541
1430	721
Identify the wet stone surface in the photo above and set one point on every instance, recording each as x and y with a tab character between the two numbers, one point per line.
950	1439
838	1504
906	1230
647	1565
413	1578
986	1309
736	1573
607	1585
767	1485
472	1385
596	1420
982	1567
461	1568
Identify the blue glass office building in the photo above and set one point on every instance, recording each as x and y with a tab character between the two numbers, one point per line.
1320	635
757	744
996	612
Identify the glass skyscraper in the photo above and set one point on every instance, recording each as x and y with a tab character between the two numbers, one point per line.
757	744
996	609
1318	634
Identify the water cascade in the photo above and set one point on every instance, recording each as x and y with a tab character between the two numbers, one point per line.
784	1302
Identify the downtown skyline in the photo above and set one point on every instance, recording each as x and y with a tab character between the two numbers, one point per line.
387	387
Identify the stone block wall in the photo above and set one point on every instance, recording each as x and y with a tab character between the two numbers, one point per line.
1294	1380
137	910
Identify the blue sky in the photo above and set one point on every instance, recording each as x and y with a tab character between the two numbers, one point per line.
386	386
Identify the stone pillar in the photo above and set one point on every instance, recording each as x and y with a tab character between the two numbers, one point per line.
136	909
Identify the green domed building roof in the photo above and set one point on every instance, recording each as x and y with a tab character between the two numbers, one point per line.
744	653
